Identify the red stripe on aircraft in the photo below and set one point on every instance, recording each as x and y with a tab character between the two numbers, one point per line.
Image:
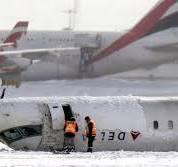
14	37
141	29
6	69
21	24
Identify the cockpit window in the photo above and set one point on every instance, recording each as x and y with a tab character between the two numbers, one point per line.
18	133
12	134
30	131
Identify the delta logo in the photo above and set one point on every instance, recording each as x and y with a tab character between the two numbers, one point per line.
135	134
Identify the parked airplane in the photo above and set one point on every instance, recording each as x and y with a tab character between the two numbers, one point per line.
11	66
123	123
153	41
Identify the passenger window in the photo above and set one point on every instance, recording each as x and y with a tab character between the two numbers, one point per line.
155	125
170	124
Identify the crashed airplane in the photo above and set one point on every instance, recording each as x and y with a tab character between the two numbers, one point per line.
123	123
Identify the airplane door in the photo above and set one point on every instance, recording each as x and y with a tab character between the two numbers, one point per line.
54	116
57	116
60	113
53	123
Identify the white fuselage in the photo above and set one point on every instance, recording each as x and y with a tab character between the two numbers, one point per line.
136	55
68	66
123	123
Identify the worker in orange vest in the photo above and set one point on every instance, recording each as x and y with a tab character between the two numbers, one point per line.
90	132
70	128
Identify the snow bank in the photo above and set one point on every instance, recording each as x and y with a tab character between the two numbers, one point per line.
96	159
4	147
106	86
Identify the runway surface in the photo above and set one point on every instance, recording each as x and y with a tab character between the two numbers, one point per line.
119	159
105	86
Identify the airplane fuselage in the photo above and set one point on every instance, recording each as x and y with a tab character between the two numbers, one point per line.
123	123
134	56
74	64
67	66
149	43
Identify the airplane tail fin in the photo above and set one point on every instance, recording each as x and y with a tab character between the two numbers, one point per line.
17	32
163	16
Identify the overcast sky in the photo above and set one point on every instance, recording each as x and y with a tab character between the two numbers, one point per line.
92	14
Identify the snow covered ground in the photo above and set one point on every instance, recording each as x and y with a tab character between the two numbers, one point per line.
11	158
105	86
119	159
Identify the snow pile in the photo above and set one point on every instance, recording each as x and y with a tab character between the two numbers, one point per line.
107	86
4	147
113	112
96	159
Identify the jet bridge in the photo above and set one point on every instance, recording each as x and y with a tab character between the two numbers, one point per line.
88	43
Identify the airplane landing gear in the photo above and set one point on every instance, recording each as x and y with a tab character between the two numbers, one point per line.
3	93
15	83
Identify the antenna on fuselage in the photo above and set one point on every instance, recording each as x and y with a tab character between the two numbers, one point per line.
72	15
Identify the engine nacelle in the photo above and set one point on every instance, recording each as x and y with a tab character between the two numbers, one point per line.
21	63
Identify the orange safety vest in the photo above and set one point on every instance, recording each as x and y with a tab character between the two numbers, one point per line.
93	129
70	127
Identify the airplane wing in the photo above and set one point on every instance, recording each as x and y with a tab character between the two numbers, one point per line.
21	59
38	54
29	51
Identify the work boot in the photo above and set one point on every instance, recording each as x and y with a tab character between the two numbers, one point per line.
90	150
66	149
72	148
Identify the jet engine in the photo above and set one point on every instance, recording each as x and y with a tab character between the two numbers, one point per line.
11	71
